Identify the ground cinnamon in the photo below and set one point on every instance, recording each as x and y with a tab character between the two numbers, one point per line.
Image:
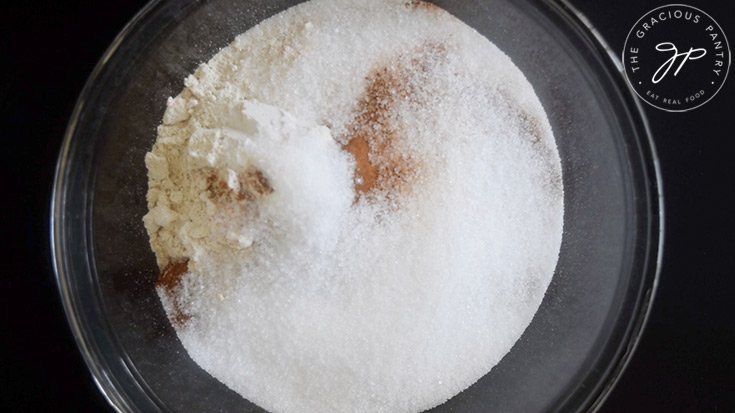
169	278
252	184
374	140
419	4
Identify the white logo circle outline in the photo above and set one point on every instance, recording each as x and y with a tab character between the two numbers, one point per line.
625	48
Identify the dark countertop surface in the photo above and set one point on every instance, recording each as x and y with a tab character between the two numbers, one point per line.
686	357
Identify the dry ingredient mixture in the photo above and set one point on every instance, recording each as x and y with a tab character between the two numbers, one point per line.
356	207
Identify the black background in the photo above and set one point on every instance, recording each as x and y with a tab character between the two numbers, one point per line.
685	360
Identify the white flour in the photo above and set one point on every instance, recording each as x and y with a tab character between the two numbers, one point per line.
357	207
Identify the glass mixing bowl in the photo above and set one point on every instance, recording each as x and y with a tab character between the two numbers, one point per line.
569	357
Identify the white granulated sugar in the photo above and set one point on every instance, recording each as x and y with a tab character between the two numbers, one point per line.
356	207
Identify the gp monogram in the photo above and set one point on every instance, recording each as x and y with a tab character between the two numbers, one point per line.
676	57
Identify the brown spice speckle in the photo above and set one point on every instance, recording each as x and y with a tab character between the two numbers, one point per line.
419	4
168	279
252	185
374	140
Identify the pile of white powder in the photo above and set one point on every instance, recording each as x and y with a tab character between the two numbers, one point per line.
356	207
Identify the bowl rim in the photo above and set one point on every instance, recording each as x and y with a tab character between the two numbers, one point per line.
99	366
86	344
652	168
